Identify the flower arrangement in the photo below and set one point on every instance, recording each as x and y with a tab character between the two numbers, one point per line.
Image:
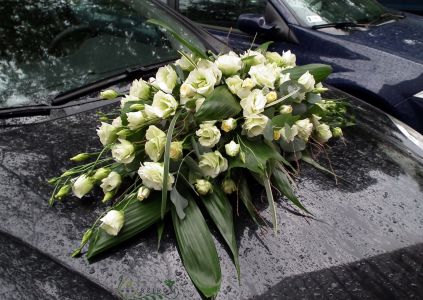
181	141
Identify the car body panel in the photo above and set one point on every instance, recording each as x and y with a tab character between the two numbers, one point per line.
414	6
376	208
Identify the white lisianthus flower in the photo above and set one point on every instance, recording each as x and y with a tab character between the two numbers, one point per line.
208	65
111	182
288	133
254	103
82	185
254	125
307	80
117	122
285	109
187	91
276	58
176	149
288	59
213	163
139	89
249	83
234	83
124	152
156	142
113	222
143	193
228	186
209	135
228	125
271	96
284	78
323	133
163	106
203	186
232	149
184	63
265	74
202	81
107	133
305	127
256	58
126	99
151	174
108	94
166	78
136	119
229	63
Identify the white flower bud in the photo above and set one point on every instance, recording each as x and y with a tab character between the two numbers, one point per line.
228	125
176	150
106	133
111	182
229	186
124	152
166	78
209	135
285	109
80	157
82	185
307	80
213	163
271	96
108	94
101	173
152	174
337	132
229	63
288	59
203	187
143	193
323	133
232	149
113	222
140	89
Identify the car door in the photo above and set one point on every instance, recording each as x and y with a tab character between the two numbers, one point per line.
220	17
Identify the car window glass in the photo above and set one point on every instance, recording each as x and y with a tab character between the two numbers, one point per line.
317	12
51	46
222	13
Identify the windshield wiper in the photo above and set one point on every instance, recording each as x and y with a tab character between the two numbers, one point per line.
129	73
339	25
386	16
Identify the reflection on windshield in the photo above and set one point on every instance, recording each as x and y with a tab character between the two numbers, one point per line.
317	12
50	46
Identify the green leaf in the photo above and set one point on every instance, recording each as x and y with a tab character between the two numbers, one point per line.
138	217
245	195
160	229
166	160
281	181
281	120
319	71
256	155
195	50
221	104
197	249
306	158
220	210
268	132
269	196
263	47
179	201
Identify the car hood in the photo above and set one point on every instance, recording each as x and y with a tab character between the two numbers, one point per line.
401	38
375	209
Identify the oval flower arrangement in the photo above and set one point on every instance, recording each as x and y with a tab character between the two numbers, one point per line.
181	140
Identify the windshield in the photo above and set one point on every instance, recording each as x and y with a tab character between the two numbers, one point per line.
318	12
50	46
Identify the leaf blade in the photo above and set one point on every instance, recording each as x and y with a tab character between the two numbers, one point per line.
319	71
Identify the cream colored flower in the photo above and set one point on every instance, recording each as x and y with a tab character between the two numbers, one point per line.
284	78
265	74
288	59
163	106
256	58
113	222
126	99
156	142
111	182
82	185
209	135
229	63
140	89
254	103
276	58
305	127
213	163
107	133
137	119
124	152
232	149
166	78
307	80
288	133
234	83
202	81
143	193
228	125
151	174
176	150
254	125
323	133
184	63
271	97
229	186
285	109
203	187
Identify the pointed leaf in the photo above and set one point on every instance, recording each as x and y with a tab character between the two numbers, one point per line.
319	71
220	210
197	249
315	164
160	230
269	196
245	195
179	201
138	217
263	47
221	104
281	120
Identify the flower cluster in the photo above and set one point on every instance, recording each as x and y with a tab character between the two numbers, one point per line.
191	131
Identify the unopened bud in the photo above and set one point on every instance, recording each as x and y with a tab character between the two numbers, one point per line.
228	186
101	173
108	94
63	192
337	132
108	196
81	157
137	106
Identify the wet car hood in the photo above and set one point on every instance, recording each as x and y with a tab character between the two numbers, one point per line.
402	38
366	239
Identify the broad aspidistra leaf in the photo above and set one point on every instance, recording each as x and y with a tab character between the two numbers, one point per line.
197	249
319	71
221	104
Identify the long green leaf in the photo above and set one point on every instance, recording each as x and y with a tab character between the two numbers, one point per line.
179	201
138	217
220	210
269	196
197	249
166	162
263	47
315	164
281	120
319	71
246	198
195	50
281	181
221	104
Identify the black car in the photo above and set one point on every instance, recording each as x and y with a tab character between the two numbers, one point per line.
412	6
365	240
